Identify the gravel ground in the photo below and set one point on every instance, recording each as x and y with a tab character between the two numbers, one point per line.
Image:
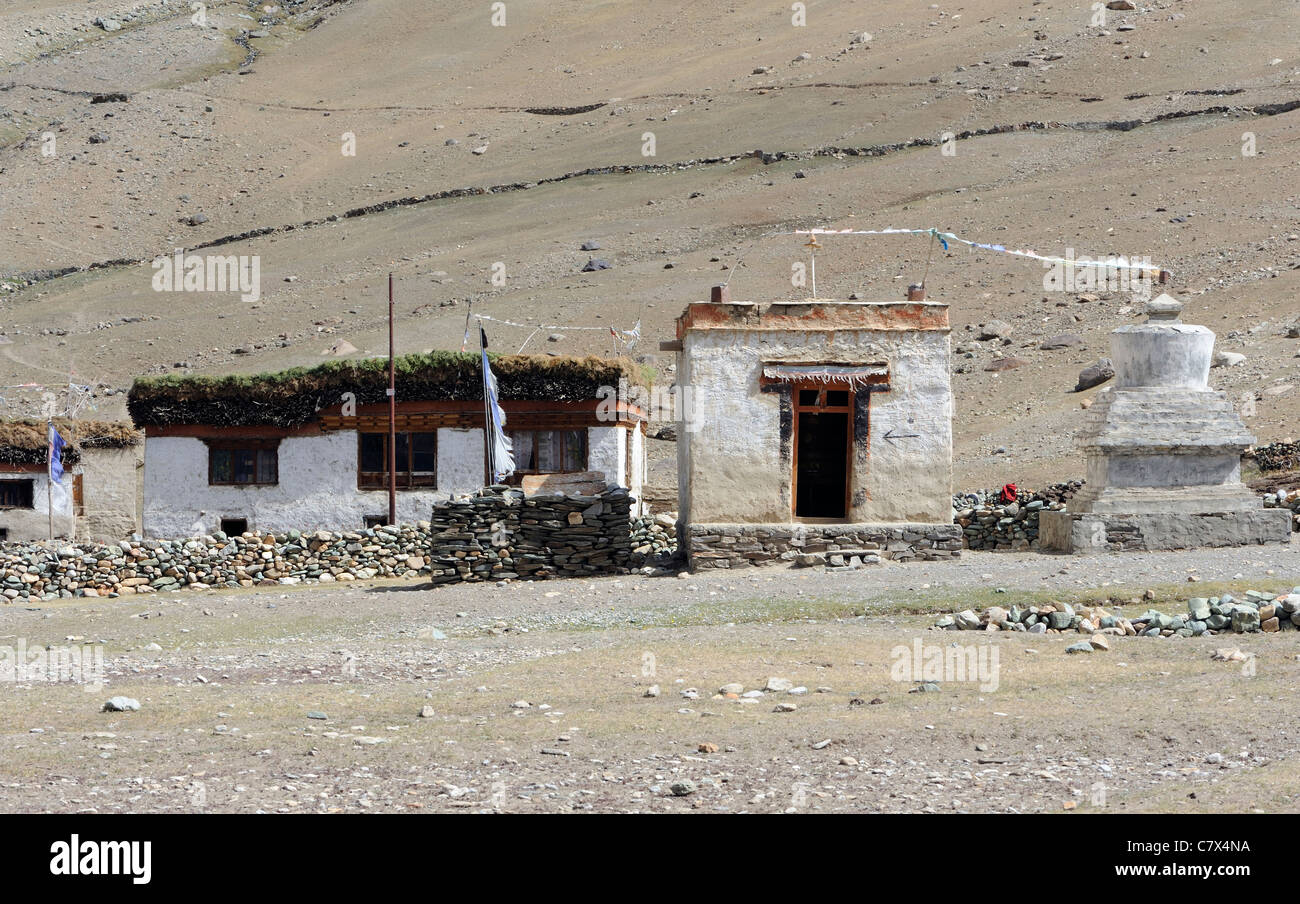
310	699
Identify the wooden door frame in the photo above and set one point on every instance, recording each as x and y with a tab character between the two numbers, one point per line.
847	411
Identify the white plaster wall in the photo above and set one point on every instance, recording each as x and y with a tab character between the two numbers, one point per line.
317	488
607	451
460	461
729	451
34	523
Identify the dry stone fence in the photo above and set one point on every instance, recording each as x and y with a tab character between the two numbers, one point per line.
497	535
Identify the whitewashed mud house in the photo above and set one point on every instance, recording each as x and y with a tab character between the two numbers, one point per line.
307	449
99	489
1164	452
814	431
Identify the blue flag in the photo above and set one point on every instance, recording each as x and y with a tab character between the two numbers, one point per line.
56	455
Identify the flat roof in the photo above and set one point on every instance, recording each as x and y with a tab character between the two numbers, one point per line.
815	314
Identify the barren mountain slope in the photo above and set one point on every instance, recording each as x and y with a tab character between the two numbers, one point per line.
1139	144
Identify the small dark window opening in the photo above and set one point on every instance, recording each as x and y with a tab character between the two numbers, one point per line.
4	534
376	521
233	527
16	493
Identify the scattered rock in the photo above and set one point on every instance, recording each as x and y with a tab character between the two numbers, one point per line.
1095	375
1064	340
121	705
1228	359
1000	365
994	329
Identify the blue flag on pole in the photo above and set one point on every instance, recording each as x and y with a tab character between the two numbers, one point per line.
56	455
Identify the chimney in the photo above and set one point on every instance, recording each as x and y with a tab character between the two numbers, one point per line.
916	292
720	295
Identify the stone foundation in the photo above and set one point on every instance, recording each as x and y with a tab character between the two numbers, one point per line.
1077	532
736	545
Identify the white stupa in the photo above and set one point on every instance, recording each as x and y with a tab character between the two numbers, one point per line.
1164	452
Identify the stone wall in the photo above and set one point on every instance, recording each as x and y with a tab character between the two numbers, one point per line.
834	545
989	524
505	535
497	536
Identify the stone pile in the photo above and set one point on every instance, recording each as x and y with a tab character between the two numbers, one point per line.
496	536
989	524
1254	612
1276	457
654	540
501	534
1289	499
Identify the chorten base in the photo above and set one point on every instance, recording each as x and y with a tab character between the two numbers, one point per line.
1083	532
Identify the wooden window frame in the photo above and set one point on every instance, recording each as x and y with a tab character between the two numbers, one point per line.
406	478
244	445
586	450
31	495
821	407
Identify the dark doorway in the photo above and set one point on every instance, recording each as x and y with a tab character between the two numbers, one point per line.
822	453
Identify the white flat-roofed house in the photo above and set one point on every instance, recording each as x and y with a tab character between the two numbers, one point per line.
96	498
307	449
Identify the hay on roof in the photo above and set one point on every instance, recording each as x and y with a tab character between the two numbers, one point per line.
25	442
292	398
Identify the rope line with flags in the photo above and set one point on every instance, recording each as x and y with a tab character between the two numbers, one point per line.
628	337
1117	262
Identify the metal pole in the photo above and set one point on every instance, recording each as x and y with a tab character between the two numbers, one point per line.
392	413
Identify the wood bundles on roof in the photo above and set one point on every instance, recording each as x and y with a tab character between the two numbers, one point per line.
25	442
292	398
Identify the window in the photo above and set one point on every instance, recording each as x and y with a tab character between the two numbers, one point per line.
417	460
244	463
549	451
16	493
233	527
